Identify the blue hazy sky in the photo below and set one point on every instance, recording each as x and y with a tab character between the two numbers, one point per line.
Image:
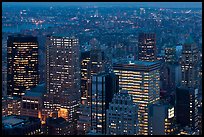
122	4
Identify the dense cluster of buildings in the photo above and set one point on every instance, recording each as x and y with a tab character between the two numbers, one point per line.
86	93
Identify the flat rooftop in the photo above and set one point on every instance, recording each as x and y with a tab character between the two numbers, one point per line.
37	91
12	120
136	62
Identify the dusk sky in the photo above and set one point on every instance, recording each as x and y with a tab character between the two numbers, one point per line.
135	4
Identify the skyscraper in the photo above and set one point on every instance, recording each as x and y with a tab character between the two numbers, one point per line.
22	64
189	64
104	85
85	76
141	80
92	62
187	107
62	77
147	47
121	116
161	119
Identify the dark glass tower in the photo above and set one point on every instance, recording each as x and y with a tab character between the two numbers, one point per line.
147	47
187	107
104	85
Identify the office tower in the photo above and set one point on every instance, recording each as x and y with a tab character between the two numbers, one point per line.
84	121
161	119
170	54
96	63
104	85
132	47
62	77
11	105
20	125
141	80
187	107
85	76
96	57
22	64
147	47
57	126
170	76
32	101
92	62
189	64
121	116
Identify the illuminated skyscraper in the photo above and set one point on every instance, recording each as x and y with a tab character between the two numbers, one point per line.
189	64
62	77
147	47
85	76
141	80
104	85
92	62
121	116
22	64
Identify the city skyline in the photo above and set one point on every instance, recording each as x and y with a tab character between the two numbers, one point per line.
101	68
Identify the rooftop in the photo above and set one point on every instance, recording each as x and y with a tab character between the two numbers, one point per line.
13	121
137	62
63	35
37	91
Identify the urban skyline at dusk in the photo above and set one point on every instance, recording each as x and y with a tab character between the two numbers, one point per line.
102	68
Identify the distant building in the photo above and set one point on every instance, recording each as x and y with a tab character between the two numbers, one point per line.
32	102
147	47
187	107
141	79
170	54
20	125
11	105
104	85
189	64
179	52
122	115
22	64
161	119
